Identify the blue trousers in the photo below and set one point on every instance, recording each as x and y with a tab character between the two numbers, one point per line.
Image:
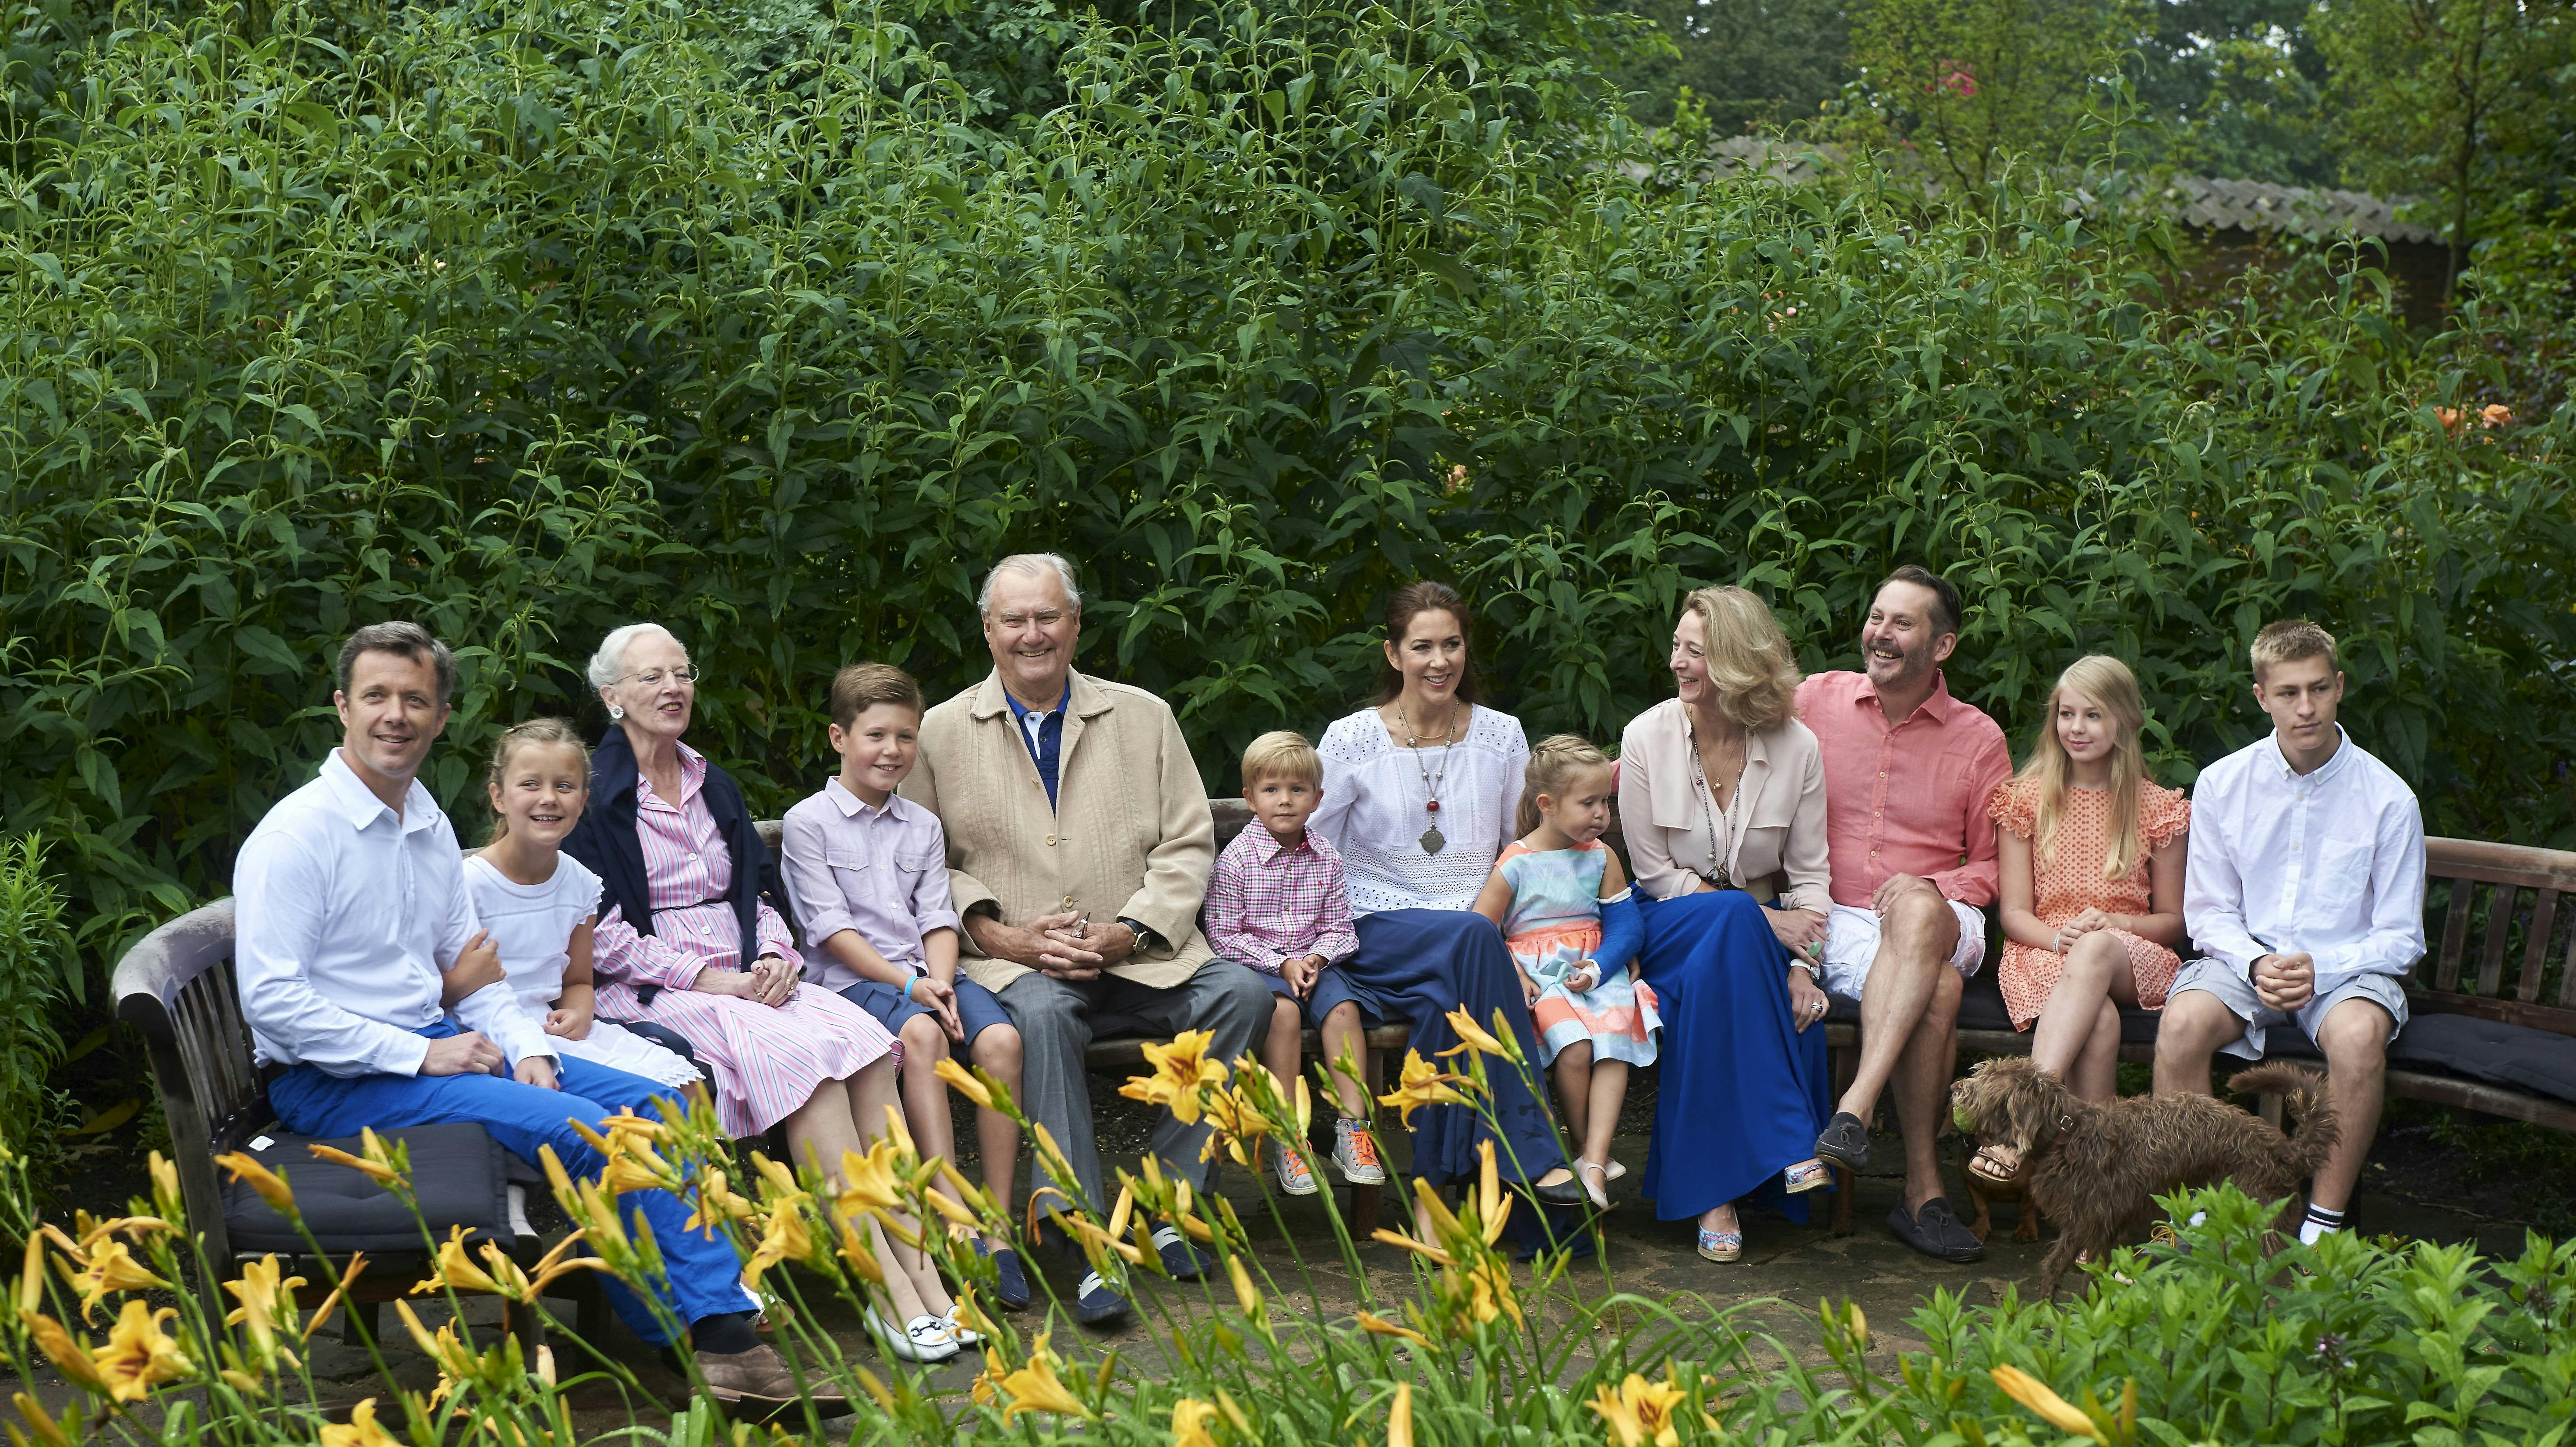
704	1273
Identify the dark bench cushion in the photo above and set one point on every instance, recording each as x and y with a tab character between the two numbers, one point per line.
2490	1050
457	1170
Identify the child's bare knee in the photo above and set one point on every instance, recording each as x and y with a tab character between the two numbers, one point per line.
923	1039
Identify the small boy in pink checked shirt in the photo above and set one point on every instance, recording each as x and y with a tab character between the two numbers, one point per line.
1278	902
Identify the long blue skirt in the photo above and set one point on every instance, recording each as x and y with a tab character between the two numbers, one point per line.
1744	1092
1417	965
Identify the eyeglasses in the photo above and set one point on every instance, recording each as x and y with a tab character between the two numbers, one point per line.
1044	618
652	677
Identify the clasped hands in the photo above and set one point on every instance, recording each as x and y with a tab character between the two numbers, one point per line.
2285	982
473	1053
1064	944
769	981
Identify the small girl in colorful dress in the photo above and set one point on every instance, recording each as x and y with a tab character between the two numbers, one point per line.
1565	911
2091	856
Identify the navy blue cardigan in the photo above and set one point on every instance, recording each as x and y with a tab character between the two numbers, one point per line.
606	841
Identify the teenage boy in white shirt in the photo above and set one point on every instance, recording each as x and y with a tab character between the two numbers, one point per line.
2305	895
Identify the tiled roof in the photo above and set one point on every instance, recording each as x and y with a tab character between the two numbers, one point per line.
2204	201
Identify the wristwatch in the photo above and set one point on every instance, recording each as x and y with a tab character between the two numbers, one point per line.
1815	970
1145	939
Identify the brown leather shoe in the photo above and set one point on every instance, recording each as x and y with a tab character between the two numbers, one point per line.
756	1385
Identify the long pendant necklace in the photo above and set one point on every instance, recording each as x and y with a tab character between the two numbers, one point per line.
1718	852
1433	841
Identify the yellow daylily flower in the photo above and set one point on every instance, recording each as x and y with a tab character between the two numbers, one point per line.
1640	1412
165	1186
861	1257
110	1267
2049	1407
1472	1036
1422	1084
1245	1294
65	1351
1857	1325
267	1304
873	1182
716	1202
331	1303
31	1277
361	1431
1237	1121
452	1355
1380	1326
139	1355
41	1426
271	1186
136	1227
454	1269
1180	1069
785	1240
1035	1387
1399	1418
962	1081
1190	1421
1483	1291
381	1172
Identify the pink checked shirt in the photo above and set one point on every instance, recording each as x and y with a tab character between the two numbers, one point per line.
1268	902
1909	799
689	869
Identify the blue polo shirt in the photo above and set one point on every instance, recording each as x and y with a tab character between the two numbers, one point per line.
1043	731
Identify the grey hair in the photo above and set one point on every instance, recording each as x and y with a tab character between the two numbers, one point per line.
1030	565
406	640
609	663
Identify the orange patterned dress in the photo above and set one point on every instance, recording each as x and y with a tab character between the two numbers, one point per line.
2070	882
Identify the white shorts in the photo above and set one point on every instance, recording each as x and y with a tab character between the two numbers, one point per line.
2236	992
1851	945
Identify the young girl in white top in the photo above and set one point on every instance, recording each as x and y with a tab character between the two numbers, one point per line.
1564	908
538	902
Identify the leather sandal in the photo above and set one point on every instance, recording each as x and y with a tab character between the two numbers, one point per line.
1991	1169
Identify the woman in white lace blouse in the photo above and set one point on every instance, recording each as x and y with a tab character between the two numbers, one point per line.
1419	794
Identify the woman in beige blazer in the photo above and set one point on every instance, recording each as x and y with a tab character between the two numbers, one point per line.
1722	802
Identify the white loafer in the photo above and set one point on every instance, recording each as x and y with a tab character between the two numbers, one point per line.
925	1338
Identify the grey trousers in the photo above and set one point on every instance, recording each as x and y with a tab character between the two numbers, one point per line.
1055	1020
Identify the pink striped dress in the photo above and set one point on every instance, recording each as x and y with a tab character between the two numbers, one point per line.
768	1060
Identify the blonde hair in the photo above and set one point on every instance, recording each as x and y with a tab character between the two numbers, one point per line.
2288	641
1282	754
1554	763
535	732
1750	663
2108	682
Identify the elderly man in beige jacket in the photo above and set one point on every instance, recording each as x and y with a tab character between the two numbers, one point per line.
1079	844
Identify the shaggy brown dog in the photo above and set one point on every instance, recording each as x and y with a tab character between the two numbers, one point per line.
2096	1169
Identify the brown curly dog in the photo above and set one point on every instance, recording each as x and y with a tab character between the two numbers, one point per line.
2096	1169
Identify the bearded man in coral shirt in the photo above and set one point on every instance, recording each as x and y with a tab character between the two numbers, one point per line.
1908	771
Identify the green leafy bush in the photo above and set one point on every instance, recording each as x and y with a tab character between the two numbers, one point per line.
530	317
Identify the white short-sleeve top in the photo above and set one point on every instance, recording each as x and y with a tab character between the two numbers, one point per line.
1374	792
532	924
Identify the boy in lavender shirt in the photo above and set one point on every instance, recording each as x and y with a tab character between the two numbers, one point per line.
1278	901
867	875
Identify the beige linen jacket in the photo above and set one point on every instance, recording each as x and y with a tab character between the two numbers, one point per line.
1130	834
1667	835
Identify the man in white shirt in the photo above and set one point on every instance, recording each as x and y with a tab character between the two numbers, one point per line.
349	903
2305	896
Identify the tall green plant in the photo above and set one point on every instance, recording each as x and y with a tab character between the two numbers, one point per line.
38	968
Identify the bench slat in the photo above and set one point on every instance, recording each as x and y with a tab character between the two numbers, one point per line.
2491	863
2455	936
2567	975
2535	955
2499	925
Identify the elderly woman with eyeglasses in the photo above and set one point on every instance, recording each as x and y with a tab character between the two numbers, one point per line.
691	935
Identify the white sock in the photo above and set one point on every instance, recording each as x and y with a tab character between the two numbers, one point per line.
519	1211
2319	1221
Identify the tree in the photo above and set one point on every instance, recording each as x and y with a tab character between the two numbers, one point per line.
1751	63
2237	88
1966	84
2449	96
